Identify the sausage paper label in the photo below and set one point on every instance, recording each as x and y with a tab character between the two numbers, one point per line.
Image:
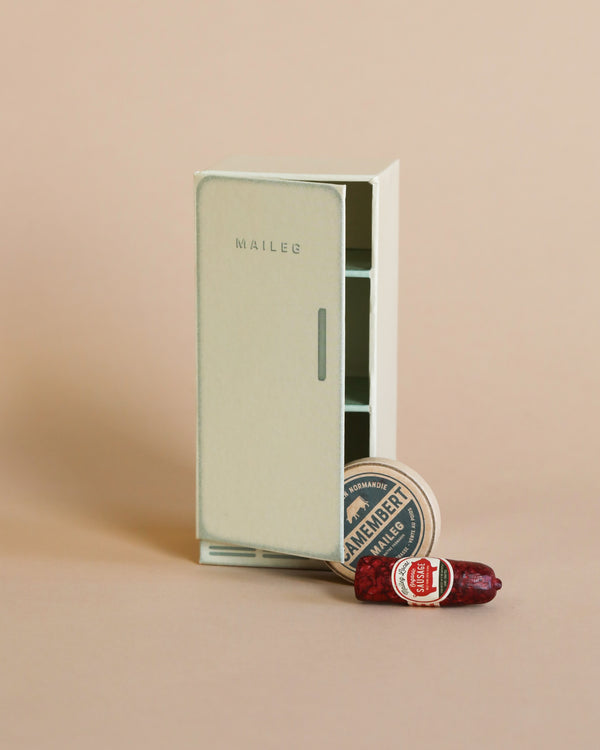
422	580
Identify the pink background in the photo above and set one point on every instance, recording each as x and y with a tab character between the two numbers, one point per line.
111	635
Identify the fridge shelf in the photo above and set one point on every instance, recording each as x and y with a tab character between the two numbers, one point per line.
357	394
358	263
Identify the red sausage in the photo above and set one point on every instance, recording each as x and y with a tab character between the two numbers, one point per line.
424	581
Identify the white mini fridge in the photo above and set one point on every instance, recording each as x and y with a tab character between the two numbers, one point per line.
297	351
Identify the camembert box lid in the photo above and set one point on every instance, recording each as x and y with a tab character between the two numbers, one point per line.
389	510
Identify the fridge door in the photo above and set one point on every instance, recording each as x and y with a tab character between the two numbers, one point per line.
270	365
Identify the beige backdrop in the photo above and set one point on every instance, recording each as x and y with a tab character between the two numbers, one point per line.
111	635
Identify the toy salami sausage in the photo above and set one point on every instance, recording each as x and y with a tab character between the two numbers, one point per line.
424	581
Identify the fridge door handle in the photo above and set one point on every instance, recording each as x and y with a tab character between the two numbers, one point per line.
322	343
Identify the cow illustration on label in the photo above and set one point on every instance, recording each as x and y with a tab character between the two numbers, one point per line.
355	507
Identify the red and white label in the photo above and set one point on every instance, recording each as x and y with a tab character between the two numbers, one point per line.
422	580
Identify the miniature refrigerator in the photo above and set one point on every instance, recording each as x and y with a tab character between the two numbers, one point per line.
297	272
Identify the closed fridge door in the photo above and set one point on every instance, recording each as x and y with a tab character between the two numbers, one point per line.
270	365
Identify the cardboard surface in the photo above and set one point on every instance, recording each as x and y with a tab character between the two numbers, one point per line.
106	624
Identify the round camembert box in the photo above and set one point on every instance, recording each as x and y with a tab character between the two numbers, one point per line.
389	510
